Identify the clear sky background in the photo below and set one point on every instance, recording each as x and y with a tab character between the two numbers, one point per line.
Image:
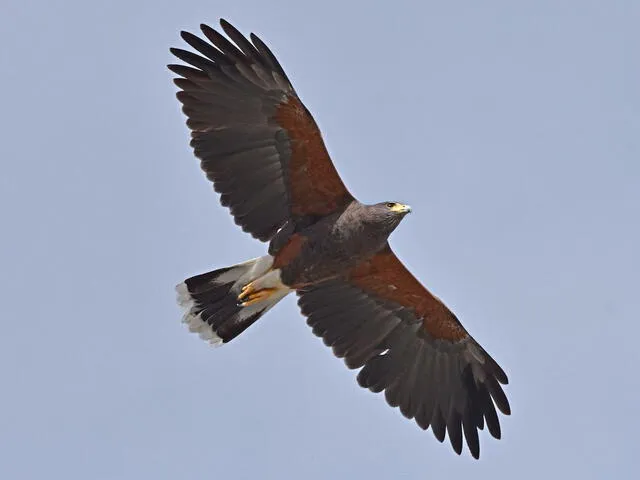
512	128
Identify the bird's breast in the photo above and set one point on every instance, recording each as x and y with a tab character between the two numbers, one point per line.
314	256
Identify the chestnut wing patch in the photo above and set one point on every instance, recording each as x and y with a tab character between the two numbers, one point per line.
385	277
409	345
256	141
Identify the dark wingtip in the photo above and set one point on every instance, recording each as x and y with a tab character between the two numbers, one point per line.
174	68
177	52
229	29
211	33
474	447
495	430
507	408
456	448
501	376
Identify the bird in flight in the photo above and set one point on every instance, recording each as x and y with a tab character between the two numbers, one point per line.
262	150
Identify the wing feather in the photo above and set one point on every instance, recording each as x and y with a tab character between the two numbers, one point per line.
246	120
409	345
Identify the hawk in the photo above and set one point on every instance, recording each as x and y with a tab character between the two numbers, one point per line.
262	150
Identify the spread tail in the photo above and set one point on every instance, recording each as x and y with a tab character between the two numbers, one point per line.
221	304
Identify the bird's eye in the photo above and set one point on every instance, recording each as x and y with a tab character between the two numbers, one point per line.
390	204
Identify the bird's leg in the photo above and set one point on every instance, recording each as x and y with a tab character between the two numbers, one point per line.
261	288
250	295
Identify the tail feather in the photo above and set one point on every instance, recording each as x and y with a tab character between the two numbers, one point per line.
210	300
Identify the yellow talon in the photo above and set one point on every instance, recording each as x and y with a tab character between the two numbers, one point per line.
246	291
249	296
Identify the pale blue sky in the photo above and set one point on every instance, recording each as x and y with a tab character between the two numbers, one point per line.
512	128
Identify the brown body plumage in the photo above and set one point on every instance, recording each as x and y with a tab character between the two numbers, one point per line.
265	155
337	243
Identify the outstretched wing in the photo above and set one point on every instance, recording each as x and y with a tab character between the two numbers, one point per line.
257	142
411	346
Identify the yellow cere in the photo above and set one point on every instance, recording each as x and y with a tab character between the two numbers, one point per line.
400	208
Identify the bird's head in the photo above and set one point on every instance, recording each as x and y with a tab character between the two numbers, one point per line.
387	215
395	208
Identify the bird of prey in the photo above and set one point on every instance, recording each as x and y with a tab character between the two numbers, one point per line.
262	150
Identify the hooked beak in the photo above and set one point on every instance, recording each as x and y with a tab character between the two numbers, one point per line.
404	209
